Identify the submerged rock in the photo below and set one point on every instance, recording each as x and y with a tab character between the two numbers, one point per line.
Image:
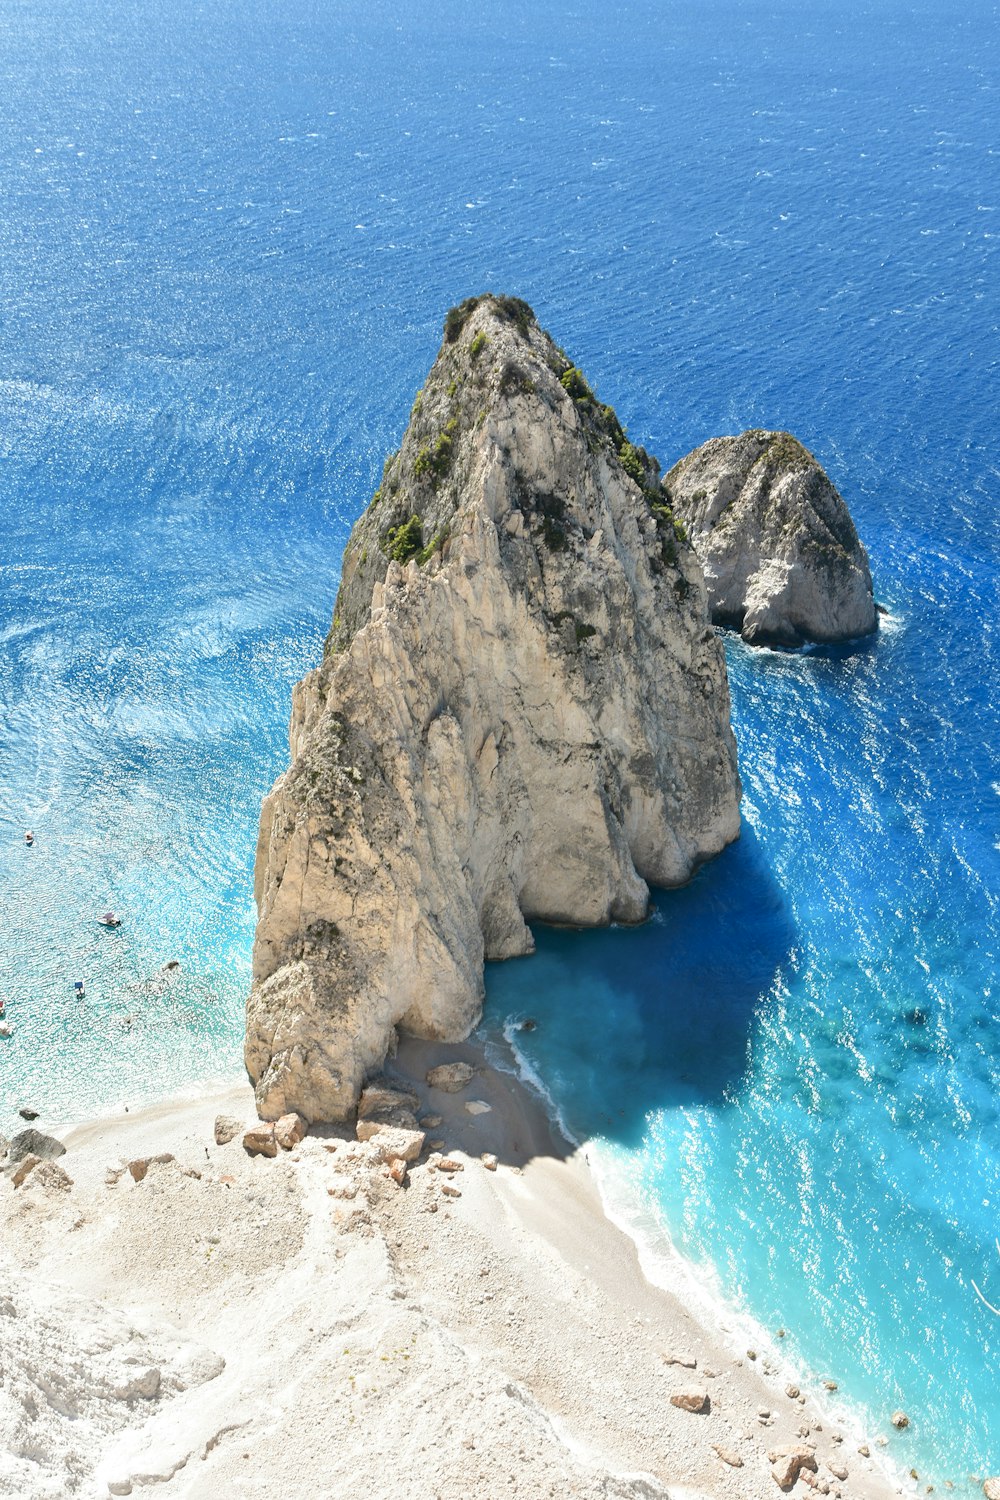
522	714
782	560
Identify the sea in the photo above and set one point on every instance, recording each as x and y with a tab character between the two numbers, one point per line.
229	232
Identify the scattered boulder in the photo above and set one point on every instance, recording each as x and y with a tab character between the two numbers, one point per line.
691	1398
991	1489
390	1141
382	1098
4	1147
830	1385
142	1164
788	1463
430	1122
227	1128
489	1161
899	1420
26	1165
398	1170
728	1456
449	1164
866	1452
28	1114
451	1078
450	1190
289	1130
792	1392
34	1143
259	1140
686	1361
838	1471
477	1107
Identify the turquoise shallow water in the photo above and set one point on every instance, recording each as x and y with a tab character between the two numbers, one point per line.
228	235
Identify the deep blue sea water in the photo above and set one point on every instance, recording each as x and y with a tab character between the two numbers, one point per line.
228	235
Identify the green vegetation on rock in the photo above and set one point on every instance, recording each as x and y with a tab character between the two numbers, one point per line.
404	541
631	462
573	381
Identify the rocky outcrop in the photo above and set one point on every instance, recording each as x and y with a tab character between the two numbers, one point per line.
76	1373
782	560
522	714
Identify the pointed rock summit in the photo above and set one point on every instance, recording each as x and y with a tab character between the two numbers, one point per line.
782	560
522	714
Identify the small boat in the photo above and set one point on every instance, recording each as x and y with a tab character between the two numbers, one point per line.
29	837
78	986
109	920
6	1029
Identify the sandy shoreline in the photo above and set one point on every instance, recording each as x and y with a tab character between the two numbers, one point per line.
500	1338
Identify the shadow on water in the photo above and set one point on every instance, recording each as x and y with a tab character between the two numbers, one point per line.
631	1020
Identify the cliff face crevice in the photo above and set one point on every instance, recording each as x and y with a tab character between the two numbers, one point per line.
782	559
522	714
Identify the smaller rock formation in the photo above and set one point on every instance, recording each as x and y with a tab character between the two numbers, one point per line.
782	560
899	1420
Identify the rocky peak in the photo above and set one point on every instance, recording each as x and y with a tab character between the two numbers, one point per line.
495	362
521	714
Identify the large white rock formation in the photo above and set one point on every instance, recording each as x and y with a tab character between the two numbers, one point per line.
522	714
782	560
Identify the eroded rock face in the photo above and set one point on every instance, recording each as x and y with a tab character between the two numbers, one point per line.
522	713
782	560
77	1373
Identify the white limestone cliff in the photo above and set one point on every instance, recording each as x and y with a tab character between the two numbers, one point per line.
522	714
782	559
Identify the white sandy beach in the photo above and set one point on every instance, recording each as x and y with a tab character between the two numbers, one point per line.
317	1331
